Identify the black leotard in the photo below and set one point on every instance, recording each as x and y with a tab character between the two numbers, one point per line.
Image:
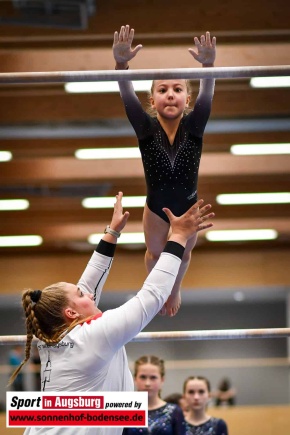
171	171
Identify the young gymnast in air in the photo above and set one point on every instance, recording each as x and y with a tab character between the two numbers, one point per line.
170	143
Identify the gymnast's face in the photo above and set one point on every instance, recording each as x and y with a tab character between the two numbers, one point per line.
196	394
148	378
169	98
80	304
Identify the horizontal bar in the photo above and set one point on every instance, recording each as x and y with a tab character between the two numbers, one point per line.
222	334
144	74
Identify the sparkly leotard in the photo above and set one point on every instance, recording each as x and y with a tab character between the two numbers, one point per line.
167	420
214	426
171	171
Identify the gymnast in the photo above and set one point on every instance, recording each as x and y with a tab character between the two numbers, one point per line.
81	348
170	143
163	418
196	390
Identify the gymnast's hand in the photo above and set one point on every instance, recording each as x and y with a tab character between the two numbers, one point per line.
185	226
119	219
122	47
206	50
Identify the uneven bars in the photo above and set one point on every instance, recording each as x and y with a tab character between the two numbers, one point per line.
144	74
222	334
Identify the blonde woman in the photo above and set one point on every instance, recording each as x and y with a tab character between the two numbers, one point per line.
81	348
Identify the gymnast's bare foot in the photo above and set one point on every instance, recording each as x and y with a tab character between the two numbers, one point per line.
173	304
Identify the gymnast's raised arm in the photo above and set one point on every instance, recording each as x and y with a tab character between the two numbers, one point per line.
205	54
123	53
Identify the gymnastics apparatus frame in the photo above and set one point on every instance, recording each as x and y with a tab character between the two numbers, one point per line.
156	74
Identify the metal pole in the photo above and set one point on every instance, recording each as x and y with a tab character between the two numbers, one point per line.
144	74
222	334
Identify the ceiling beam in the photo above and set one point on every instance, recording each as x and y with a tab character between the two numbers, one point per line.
46	212
212	268
55	233
51	170
97	107
165	57
260	18
213	142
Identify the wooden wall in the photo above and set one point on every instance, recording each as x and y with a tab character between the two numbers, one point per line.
208	269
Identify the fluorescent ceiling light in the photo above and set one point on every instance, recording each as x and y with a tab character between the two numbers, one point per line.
5	156
253	198
108	202
126	238
270	82
13	204
239	296
260	149
9	241
101	87
108	153
240	235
